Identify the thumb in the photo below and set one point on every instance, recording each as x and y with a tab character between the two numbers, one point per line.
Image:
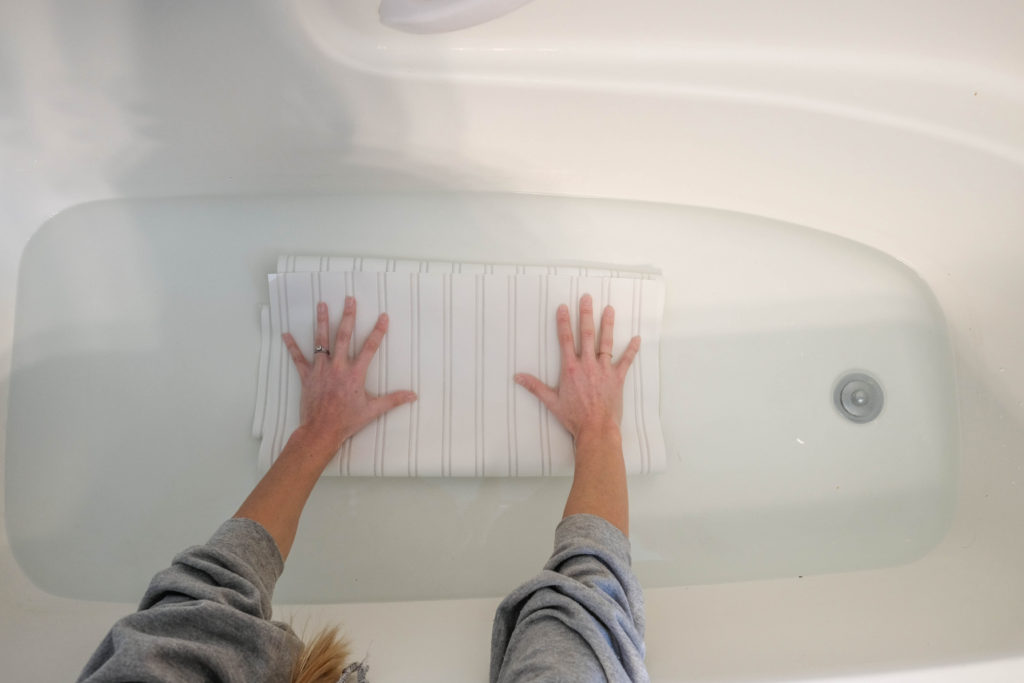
383	404
547	395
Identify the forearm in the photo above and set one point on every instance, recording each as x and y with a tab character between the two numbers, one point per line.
580	619
206	614
599	482
278	499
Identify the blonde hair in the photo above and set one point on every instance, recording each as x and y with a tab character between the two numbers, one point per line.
323	658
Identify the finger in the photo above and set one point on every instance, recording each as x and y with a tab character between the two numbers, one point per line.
547	395
627	356
293	349
373	341
607	329
587	332
565	340
343	337
321	337
383	404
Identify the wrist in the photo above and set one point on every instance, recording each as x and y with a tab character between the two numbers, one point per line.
314	443
601	430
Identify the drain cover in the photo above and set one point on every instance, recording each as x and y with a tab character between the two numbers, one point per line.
858	397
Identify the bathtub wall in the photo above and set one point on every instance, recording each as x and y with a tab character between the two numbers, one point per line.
894	124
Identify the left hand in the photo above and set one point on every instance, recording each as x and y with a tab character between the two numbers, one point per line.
335	404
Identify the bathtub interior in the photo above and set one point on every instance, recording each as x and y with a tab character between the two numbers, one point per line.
897	127
767	478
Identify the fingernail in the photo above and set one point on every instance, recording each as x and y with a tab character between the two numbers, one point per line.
384	317
349	301
519	379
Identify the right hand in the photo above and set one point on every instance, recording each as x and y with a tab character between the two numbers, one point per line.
588	397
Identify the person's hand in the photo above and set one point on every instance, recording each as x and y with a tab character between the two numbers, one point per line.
335	404
589	392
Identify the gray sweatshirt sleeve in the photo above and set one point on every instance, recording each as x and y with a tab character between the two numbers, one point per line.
580	619
206	617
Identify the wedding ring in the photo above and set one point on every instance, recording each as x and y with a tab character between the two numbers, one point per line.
320	349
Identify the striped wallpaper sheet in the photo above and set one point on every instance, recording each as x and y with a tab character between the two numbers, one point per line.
458	333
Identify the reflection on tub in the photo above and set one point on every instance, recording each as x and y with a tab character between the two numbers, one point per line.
440	16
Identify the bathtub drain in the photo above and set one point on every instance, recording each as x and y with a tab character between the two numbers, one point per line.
858	397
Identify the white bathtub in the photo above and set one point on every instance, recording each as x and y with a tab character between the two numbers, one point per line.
896	127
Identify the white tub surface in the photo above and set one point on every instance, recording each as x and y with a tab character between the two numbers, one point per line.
896	126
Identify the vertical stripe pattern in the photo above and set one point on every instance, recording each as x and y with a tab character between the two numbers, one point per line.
459	333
